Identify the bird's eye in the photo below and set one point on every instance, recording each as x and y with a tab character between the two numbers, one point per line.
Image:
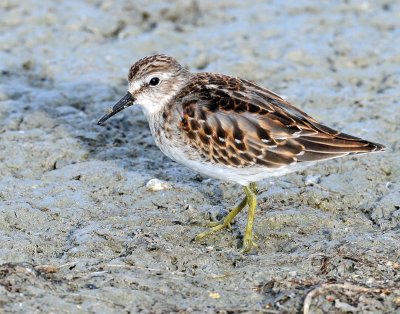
154	81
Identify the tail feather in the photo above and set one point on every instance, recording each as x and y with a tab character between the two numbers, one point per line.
332	146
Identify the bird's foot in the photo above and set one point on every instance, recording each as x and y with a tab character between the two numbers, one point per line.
222	224
215	227
248	245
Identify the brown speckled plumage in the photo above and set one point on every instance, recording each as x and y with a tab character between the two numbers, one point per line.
237	123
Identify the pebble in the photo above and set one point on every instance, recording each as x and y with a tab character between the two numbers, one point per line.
156	185
312	179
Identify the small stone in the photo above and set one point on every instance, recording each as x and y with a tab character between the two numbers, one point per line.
48	269
345	307
214	295
156	185
312	179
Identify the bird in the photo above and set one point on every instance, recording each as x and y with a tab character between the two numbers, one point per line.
229	128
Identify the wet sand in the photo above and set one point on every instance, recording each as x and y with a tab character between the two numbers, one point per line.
81	232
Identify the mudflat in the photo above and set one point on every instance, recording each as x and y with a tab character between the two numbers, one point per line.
83	230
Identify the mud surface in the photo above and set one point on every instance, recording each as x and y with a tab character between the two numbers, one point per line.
81	232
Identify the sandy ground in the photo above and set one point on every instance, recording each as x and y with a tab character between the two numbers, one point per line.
79	230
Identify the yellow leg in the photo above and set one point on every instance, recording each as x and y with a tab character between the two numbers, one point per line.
251	196
253	187
225	223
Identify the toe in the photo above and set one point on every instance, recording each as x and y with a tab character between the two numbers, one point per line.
214	229
248	245
213	224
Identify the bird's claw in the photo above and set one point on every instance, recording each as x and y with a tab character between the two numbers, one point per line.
248	245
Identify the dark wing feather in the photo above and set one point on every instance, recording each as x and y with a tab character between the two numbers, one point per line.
237	123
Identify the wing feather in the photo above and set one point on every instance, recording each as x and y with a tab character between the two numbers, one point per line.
237	123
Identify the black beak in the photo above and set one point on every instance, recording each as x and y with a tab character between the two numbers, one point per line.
125	102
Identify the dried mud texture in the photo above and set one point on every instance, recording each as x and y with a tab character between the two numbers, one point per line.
81	230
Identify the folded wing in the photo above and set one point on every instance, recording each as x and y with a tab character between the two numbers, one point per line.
239	124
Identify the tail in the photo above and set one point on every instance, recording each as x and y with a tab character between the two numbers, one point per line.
328	143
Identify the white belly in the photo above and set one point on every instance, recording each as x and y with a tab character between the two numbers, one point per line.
187	156
243	176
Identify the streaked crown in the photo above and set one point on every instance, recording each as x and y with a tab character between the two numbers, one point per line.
154	64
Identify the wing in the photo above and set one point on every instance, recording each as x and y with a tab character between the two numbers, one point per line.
239	124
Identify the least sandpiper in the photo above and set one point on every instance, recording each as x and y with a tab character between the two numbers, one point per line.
230	129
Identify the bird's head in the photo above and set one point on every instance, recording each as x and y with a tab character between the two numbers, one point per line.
152	82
